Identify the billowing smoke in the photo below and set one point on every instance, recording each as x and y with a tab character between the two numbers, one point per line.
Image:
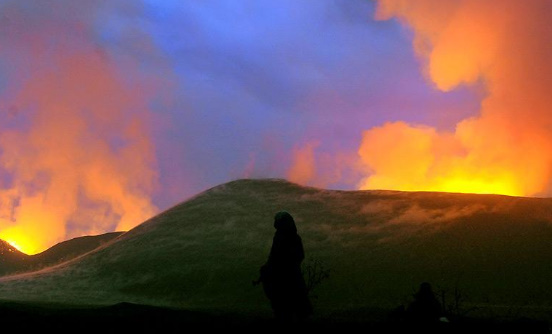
502	48
76	155
303	168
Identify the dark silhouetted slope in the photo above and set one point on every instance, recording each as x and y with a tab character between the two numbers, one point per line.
11	259
379	245
70	249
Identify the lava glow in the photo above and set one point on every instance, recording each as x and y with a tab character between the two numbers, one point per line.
16	245
21	243
507	148
405	157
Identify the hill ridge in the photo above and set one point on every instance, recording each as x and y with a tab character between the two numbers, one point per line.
204	252
12	261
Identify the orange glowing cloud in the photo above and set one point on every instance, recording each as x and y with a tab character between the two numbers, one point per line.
84	163
507	148
76	151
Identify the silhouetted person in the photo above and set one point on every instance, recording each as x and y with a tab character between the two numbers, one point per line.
425	309
281	275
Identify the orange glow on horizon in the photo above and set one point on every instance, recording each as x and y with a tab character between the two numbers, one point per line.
400	156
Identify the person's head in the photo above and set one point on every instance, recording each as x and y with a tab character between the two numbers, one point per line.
425	289
283	222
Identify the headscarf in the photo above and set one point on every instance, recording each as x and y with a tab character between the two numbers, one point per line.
284	223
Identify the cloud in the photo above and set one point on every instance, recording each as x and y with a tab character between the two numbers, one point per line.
77	158
507	147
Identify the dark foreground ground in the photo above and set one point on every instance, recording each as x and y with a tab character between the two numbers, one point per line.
140	318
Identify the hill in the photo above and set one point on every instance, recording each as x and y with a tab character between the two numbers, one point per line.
70	249
13	261
493	251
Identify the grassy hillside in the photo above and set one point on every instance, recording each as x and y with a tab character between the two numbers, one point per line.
70	249
379	245
13	261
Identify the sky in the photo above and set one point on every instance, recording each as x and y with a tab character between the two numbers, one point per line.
113	111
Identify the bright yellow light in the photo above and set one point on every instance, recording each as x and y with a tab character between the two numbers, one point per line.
418	158
21	242
14	244
477	186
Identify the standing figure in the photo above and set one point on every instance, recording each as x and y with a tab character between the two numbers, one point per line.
281	276
425	309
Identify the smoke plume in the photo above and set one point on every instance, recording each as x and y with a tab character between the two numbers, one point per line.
501	47
76	155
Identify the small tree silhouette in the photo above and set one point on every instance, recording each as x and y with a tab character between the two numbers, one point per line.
314	273
453	301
